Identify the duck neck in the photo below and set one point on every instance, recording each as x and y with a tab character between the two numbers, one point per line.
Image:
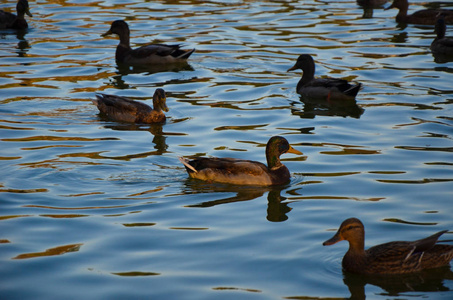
125	39
308	74
440	31
273	159
357	247
156	105
403	7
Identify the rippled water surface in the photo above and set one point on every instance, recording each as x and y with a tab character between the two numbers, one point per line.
96	209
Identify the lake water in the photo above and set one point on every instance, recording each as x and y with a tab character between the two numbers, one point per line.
96	209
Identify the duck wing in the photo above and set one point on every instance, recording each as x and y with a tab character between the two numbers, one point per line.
225	165
405	257
160	50
121	108
228	170
342	85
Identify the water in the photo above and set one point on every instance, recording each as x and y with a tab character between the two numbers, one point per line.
96	209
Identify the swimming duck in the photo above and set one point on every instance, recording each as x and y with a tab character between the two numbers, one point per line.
331	89
442	44
126	110
11	21
389	258
244	172
148	54
423	17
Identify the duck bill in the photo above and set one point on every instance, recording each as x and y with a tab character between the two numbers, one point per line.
164	105
107	33
333	240
294	151
27	11
292	68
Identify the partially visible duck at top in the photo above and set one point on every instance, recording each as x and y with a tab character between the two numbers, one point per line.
152	54
397	257
126	110
371	3
11	21
442	44
330	89
422	17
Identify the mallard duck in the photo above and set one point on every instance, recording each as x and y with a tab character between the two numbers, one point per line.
389	258
126	110
11	21
423	17
145	55
442	44
330	89
244	172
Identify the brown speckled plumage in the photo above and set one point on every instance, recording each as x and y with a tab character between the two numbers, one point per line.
126	110
244	172
390	258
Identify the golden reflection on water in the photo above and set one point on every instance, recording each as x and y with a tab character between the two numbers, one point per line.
60	250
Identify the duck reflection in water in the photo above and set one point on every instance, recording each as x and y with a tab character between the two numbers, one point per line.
159	136
126	69
396	285
313	108
276	210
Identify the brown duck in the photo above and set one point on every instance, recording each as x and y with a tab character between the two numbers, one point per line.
389	258
126	110
145	55
244	172
11	21
423	17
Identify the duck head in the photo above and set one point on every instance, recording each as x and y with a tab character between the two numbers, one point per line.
118	27
159	100
275	147
22	7
351	230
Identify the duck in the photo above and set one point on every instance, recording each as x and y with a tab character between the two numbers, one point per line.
153	54
11	21
123	109
331	89
442	44
399	257
244	172
421	17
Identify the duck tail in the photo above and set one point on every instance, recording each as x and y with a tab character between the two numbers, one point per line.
354	90
98	99
186	54
185	162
